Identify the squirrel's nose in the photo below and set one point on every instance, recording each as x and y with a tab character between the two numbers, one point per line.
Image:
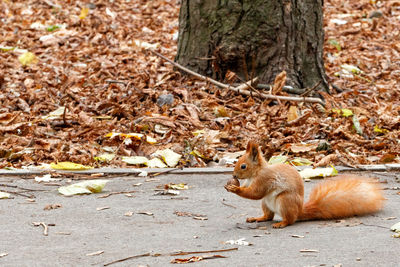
235	176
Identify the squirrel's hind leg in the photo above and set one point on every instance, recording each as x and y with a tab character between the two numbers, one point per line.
290	206
268	215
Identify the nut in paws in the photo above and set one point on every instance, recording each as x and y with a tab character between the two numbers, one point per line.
232	188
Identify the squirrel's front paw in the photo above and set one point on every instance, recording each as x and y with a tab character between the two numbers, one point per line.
232	188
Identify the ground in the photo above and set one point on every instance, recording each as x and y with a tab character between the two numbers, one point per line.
81	229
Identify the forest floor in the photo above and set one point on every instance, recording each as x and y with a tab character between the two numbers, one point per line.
76	79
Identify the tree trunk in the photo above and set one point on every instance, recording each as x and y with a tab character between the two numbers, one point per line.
254	38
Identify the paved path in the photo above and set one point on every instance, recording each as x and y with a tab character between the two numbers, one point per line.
213	217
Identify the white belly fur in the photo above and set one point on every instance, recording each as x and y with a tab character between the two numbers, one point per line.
271	203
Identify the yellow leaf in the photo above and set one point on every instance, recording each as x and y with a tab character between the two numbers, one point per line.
135	160
155	163
379	130
66	165
27	58
277	159
301	162
151	140
84	13
4	195
105	157
86	187
345	112
180	186
318	172
169	156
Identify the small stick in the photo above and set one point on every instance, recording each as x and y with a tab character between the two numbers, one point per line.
128	258
199	252
168	254
309	90
243	92
45	231
17	193
190	71
228	205
116	193
165	172
22	188
114	81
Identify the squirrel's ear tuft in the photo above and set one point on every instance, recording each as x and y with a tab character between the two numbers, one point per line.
252	149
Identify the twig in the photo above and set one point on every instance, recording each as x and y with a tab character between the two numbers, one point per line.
17	193
243	92
128	258
165	172
199	252
228	205
114	81
169	254
116	193
22	188
309	90
190	71
45	231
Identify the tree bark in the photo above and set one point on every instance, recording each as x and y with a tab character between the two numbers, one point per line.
254	38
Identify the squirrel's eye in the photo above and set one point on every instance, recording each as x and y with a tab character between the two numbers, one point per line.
243	166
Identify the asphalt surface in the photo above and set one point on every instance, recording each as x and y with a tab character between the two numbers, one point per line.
87	224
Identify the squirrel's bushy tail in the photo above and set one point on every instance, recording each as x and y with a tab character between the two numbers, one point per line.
343	197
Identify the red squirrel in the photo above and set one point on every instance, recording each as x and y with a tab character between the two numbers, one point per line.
281	189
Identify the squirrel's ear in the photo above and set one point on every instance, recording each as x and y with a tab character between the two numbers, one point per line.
249	144
253	150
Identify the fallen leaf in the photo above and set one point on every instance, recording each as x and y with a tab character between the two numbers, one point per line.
169	156
318	172
46	178
3	254
167	192
196	259
292	113
128	214
135	160
155	163
301	162
55	114
27	59
240	242
86	187
356	124
180	186
297	148
84	13
4	195
105	157
66	165
277	159
395	227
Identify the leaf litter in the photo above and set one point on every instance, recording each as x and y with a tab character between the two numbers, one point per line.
73	73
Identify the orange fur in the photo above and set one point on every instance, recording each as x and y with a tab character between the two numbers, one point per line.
281	189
